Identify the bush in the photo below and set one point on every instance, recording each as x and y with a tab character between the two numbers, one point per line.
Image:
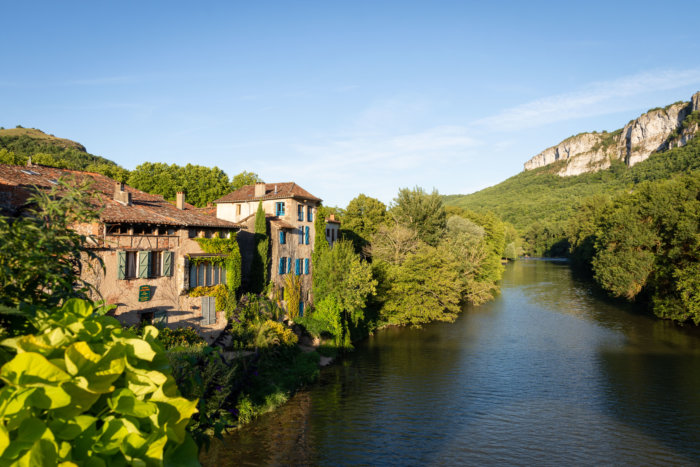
82	389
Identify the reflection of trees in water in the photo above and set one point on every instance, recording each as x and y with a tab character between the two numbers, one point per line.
656	394
277	438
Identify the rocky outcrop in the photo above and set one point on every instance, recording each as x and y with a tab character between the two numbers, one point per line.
657	130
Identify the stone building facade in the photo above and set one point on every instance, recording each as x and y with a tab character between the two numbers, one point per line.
145	243
290	212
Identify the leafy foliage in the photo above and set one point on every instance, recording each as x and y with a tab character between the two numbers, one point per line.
292	294
362	217
261	258
421	212
82	389
228	249
245	178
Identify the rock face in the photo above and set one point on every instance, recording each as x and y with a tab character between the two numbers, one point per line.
654	131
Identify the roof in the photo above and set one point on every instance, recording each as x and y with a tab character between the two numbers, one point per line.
332	221
18	182
272	191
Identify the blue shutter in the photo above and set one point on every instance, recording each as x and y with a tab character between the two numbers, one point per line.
306	240
301	308
167	263
309	214
281	237
297	267
281	267
306	266
289	265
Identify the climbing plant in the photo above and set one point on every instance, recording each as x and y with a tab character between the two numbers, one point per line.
261	259
292	294
230	257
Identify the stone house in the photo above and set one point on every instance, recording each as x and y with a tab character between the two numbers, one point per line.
332	229
290	212
146	244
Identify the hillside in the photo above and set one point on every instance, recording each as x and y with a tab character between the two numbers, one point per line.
541	196
46	149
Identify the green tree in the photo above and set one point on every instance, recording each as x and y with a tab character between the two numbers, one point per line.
261	260
421	212
245	178
362	217
341	274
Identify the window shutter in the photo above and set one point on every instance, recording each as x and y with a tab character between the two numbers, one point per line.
289	265
205	310
306	266
280	270
144	263
223	275
301	308
121	265
167	263
307	235
297	267
281	237
309	214
193	275
160	318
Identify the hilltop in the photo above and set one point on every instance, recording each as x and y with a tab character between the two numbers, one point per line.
21	143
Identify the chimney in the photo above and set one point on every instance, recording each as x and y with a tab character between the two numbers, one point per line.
332	217
260	189
275	189
120	195
180	200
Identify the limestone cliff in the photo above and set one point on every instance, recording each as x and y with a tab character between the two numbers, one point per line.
656	130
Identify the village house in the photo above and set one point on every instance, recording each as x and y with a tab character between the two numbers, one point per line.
147	244
332	229
290	212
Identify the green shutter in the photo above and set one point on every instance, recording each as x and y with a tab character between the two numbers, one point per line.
121	265
144	262
167	263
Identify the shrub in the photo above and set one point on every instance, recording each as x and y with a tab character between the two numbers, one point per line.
82	389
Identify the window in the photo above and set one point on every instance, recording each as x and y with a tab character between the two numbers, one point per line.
118	229
192	233
143	230
306	235
208	233
297	267
283	237
300	212
306	266
155	264
301	235
238	209
130	265
224	234
289	264
279	210
206	274
282	269
171	231
328	234
309	214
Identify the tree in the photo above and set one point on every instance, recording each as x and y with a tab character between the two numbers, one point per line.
362	217
244	178
339	273
393	244
261	259
41	254
421	212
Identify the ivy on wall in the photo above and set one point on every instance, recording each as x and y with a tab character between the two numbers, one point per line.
230	257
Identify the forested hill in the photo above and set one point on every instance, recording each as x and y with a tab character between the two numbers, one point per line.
201	184
540	197
47	149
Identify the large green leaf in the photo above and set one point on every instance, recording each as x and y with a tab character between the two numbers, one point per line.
95	372
49	397
125	402
32	369
78	307
140	349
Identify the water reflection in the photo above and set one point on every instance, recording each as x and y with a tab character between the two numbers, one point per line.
548	373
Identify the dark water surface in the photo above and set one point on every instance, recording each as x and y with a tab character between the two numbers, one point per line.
548	373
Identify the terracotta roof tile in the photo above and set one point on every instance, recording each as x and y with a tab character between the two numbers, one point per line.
272	191
17	182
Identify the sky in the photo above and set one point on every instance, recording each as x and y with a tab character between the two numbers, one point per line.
342	97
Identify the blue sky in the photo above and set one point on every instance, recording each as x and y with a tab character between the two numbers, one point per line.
342	97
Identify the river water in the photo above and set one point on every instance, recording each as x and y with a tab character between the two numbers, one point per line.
549	373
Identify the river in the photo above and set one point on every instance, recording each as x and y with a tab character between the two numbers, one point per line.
548	373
